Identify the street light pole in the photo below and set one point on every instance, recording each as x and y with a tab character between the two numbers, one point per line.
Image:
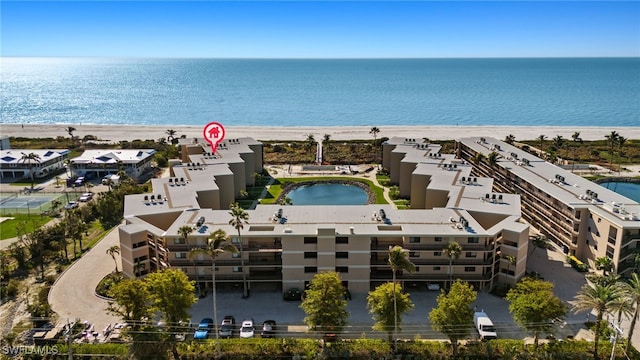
615	339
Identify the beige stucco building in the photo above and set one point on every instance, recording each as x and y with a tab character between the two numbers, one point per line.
585	219
285	246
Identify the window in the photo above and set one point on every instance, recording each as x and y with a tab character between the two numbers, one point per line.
310	240
310	255
237	269
235	255
342	269
342	255
311	269
437	239
473	240
437	253
235	240
469	268
436	268
342	240
414	254
179	241
181	255
471	254
414	240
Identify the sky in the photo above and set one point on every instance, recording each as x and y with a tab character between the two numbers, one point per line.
320	29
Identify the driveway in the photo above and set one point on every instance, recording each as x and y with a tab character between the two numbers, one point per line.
73	294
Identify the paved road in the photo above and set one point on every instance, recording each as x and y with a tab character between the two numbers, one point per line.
73	295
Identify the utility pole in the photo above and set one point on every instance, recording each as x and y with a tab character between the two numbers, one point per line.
70	339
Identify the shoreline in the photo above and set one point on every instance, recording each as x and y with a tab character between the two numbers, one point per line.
116	133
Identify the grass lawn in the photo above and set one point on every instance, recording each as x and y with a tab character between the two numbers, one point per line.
9	228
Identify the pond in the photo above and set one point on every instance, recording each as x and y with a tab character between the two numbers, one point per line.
627	189
328	194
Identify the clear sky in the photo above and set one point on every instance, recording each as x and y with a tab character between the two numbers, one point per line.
320	29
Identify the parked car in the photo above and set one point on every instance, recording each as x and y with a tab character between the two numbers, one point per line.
86	197
203	329
293	294
71	205
268	329
247	330
227	326
79	181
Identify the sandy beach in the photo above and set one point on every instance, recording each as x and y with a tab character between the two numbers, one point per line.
115	133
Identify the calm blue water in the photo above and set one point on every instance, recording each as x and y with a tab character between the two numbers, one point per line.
256	92
328	194
630	190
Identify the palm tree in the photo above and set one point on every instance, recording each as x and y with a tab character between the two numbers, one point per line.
171	135
576	139
511	260
398	261
374	131
605	264
70	131
184	231
510	139
632	290
217	244
453	250
621	141
138	267
538	241
478	157
239	217
112	251
600	298
30	159
541	138
612	141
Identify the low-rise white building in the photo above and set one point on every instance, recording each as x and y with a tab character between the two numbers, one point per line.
14	165
98	163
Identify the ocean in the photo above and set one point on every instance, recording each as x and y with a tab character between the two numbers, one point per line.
321	92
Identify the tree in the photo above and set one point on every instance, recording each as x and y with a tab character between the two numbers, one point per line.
621	141
510	139
576	139
600	298
324	304
70	131
172	296
632	290
387	303
492	159
131	301
534	307
478	157
30	159
309	142
171	135
453	250
112	251
398	261
541	139
239	217
612	141
374	131
217	244
538	241
511	260
454	316
605	264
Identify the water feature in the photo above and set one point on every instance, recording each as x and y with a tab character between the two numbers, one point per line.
328	194
630	190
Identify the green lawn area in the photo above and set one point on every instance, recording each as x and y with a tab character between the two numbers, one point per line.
276	188
9	228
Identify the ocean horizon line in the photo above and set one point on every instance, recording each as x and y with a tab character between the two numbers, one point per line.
309	58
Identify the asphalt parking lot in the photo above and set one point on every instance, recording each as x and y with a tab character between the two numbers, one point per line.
268	305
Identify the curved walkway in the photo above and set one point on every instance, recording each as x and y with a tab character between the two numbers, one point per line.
72	296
